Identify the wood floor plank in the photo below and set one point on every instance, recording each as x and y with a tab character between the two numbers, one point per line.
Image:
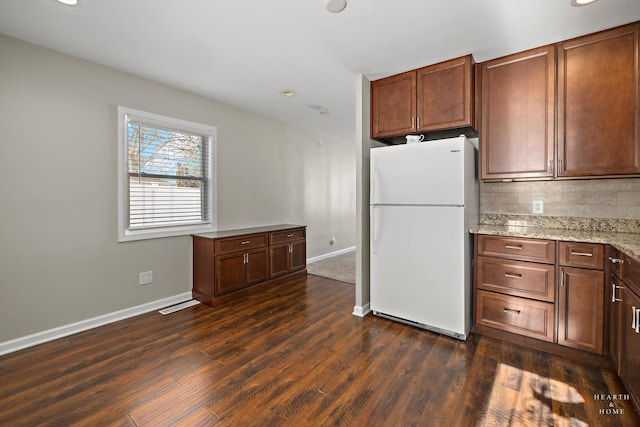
295	356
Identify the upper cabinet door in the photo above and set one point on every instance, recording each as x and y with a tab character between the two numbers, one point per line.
598	96
393	105
518	117
445	95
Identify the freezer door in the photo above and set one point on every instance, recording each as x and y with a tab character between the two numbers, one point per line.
420	267
428	173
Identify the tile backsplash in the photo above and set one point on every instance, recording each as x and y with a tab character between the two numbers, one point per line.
589	198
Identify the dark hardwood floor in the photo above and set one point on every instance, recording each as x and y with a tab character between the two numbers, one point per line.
295	356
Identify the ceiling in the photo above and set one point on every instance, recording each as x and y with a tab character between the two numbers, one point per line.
244	52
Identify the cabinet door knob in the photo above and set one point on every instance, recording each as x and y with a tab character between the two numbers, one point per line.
616	260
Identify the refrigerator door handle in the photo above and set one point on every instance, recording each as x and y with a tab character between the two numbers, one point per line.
373	181
374	243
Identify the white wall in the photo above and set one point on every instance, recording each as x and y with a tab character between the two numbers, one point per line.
59	259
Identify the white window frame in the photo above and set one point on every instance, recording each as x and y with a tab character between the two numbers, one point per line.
126	234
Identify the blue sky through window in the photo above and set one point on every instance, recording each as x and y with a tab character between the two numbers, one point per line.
167	152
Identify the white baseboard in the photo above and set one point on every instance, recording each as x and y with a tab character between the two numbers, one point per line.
330	254
83	325
361	311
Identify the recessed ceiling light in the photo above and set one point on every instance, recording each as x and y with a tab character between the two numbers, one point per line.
335	6
287	92
68	2
579	3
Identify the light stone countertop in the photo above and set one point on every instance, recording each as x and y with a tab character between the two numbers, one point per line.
629	243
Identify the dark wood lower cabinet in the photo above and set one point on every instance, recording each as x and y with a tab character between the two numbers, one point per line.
630	328
597	302
230	273
237	271
581	309
614	297
630	357
257	266
287	258
230	264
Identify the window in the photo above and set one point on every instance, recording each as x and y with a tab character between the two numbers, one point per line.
166	170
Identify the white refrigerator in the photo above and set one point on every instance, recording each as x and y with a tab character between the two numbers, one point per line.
423	202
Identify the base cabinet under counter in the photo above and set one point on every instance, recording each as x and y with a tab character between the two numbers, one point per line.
515	285
630	328
545	289
592	314
228	265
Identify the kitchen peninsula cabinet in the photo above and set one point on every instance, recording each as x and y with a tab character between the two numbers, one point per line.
518	115
234	263
598	95
630	353
433	98
614	299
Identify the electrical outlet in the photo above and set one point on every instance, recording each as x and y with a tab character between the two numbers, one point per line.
538	207
146	277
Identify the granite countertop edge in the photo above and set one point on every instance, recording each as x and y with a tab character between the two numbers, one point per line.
629	243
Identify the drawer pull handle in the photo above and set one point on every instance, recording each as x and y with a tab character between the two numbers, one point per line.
289	235
246	242
513	247
616	260
613	292
513	275
511	311
635	323
580	253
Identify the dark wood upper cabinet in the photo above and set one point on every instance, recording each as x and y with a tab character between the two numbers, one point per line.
517	133
598	99
434	98
445	96
393	105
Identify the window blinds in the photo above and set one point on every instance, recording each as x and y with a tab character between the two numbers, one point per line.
168	176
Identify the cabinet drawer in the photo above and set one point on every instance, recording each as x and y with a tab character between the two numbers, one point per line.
582	255
286	236
238	244
631	272
518	315
524	279
521	249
